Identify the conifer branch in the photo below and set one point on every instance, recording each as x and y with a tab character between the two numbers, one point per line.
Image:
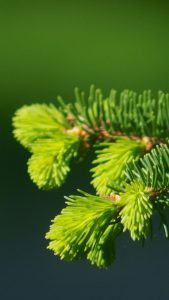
129	133
126	113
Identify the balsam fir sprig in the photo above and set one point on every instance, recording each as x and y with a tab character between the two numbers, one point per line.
130	173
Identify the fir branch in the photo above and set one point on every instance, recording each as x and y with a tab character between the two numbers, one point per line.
127	113
131	189
94	118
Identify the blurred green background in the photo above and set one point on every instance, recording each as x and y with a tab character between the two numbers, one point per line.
47	48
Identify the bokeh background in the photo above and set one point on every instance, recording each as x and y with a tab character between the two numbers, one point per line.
47	48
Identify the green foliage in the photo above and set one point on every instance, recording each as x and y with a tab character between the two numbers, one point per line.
136	210
37	121
86	228
152	169
132	185
42	129
127	112
111	162
50	161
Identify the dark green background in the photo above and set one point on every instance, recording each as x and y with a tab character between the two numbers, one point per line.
47	48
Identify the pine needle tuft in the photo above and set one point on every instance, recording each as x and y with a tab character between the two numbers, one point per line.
111	162
50	162
86	228
136	210
37	121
